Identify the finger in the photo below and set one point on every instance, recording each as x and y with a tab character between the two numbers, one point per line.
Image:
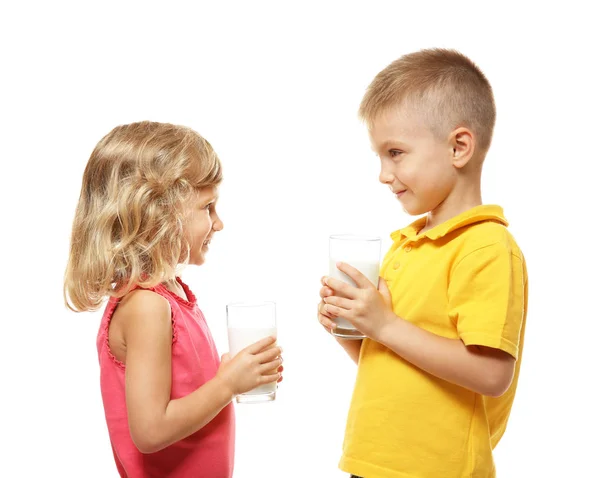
340	287
280	369
270	347
329	324
270	367
340	302
338	311
325	292
260	345
357	276
324	318
269	355
383	289
321	310
225	358
270	378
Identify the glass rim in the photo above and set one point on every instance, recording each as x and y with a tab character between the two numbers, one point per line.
354	237
250	303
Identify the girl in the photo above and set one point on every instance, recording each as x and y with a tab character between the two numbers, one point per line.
148	206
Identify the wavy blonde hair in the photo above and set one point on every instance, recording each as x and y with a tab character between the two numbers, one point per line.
443	85
128	226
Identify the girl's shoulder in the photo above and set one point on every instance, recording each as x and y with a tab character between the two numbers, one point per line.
143	303
140	313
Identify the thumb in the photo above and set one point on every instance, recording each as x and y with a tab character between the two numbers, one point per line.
225	358
384	290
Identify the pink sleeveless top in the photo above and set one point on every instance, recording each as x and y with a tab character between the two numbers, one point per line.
208	452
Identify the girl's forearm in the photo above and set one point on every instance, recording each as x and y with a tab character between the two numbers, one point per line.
184	416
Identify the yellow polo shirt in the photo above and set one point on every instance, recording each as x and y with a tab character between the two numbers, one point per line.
464	279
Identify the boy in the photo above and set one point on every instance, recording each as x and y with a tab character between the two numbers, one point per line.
438	370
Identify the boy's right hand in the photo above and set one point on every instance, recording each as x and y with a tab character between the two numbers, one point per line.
325	318
255	365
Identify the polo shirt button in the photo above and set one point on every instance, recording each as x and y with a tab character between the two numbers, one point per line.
408	248
396	266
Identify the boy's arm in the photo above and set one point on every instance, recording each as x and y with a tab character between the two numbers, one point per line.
351	346
483	370
483	359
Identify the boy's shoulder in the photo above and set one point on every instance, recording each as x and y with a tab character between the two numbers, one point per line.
480	227
486	232
483	227
489	239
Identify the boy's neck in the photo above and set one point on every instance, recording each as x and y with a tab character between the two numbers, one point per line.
461	199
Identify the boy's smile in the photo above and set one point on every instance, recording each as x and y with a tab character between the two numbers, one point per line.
421	170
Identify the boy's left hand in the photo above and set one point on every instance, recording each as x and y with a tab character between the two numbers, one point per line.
368	308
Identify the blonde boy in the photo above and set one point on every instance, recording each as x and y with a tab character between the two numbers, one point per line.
438	370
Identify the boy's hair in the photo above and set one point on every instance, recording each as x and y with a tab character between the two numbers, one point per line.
128	226
443	85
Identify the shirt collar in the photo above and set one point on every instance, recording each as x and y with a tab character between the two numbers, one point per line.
472	216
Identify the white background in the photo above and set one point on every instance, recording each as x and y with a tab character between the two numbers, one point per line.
275	88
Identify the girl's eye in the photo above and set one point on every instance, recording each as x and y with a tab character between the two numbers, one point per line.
209	206
394	153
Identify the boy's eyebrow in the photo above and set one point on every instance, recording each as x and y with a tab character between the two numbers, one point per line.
389	143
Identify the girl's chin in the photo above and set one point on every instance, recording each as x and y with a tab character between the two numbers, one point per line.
197	260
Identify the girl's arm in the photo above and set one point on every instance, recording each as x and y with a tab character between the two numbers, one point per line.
156	421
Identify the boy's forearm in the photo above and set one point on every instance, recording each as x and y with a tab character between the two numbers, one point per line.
448	359
351	346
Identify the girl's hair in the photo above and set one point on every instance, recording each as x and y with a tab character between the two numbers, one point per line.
128	226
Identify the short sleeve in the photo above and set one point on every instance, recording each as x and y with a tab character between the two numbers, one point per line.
487	297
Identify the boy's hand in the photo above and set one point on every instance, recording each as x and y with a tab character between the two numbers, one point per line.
325	318
367	308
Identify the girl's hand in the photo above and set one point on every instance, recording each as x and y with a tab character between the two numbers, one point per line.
257	364
367	308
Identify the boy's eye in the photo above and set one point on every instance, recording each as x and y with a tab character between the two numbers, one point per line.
208	206
394	152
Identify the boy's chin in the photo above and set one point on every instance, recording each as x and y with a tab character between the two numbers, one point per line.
413	211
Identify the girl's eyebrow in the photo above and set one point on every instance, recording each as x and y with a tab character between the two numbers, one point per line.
210	199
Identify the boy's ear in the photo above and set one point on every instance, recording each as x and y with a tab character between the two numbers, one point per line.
462	141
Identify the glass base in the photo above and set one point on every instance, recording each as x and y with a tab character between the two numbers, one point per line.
348	333
256	398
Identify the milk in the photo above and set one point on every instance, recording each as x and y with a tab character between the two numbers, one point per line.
242	337
369	269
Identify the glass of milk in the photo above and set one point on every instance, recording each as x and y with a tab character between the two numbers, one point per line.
247	323
362	253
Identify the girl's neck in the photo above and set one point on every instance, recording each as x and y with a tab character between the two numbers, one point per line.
175	287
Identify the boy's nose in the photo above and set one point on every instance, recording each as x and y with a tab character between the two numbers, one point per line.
386	177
